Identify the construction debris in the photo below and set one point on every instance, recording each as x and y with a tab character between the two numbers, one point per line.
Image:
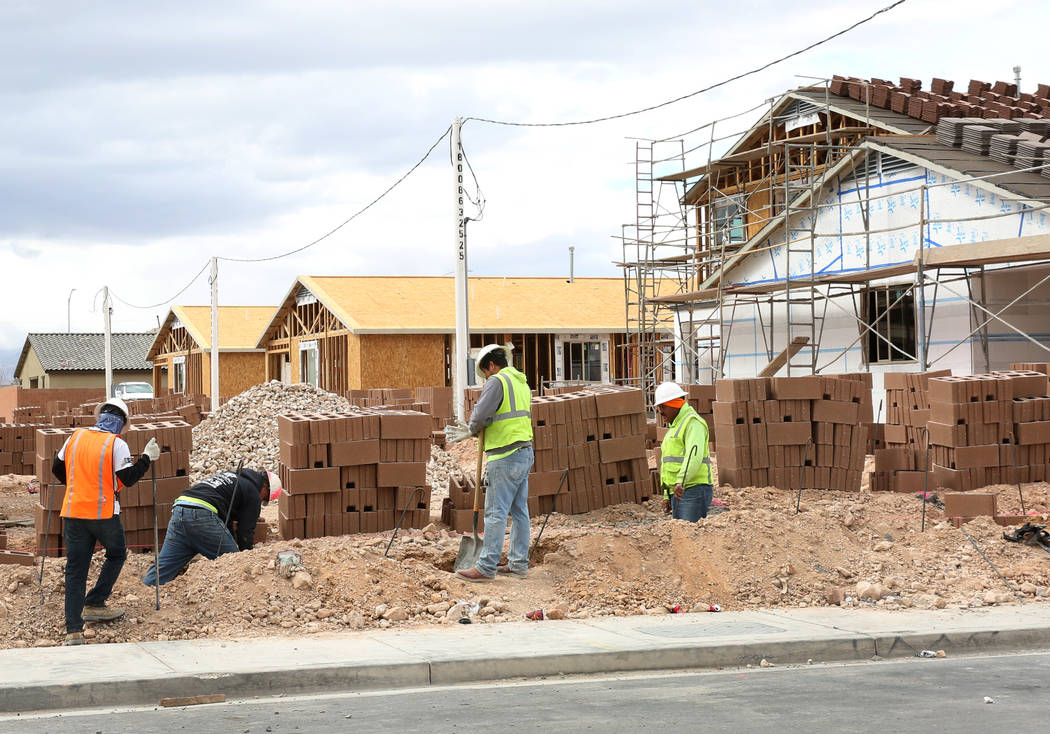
245	428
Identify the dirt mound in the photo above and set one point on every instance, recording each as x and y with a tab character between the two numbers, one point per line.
246	426
850	549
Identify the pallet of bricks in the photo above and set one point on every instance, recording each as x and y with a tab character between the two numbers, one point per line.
900	464
982	426
346	473
597	434
791	432
18	447
136	502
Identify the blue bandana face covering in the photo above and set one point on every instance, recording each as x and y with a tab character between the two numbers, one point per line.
110	422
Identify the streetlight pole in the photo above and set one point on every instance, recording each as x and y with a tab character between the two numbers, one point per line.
69	328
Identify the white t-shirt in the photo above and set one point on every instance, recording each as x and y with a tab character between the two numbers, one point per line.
121	460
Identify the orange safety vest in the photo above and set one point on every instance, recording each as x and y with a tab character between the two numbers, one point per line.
91	481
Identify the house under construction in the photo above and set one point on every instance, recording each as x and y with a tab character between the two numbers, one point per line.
859	225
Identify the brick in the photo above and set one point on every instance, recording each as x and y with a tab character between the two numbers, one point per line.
969	504
620	449
404	474
833	411
303	481
779	434
354	453
798	388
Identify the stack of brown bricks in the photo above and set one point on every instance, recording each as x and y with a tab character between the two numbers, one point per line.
136	503
980	100
437	402
17	447
347	473
900	465
790	432
981	426
597	434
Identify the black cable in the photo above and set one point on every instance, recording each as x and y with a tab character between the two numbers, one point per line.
697	92
163	303
352	217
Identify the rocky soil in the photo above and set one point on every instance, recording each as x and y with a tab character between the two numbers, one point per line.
855	550
246	426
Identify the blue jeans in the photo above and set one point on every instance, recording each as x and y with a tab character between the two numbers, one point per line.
694	503
191	530
80	536
507	493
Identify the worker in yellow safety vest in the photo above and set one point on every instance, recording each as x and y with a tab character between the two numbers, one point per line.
504	410
94	464
685	458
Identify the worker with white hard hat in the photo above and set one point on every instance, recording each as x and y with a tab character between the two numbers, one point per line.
204	519
685	457
95	464
504	410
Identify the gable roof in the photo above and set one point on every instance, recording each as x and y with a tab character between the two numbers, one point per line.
926	150
425	304
240	327
86	351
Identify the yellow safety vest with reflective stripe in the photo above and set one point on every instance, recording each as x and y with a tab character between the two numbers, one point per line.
512	422
91	482
674	451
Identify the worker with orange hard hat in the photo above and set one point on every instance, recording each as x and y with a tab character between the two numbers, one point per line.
685	456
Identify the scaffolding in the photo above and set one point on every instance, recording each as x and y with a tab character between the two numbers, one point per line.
675	268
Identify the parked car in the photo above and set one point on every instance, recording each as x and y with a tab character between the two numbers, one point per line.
133	391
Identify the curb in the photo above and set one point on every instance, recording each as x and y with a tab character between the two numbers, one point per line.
837	646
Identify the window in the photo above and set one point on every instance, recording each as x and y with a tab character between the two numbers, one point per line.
308	362
583	361
34	382
891	314
178	380
730	221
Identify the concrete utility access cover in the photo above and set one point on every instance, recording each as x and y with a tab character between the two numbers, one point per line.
717	629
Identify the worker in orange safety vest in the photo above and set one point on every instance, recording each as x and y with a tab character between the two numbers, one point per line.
94	464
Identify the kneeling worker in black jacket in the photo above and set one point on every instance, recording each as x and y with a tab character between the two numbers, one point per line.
197	515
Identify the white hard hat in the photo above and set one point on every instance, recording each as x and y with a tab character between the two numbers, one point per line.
116	403
666	391
485	350
275	485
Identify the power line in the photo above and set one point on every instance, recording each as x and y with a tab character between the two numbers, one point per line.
697	92
351	218
162	303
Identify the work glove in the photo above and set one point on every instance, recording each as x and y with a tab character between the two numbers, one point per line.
152	450
458	432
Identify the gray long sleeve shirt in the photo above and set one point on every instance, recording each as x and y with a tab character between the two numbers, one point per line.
488	403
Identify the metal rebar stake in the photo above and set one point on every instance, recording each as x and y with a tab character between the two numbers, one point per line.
925	477
802	480
1017	472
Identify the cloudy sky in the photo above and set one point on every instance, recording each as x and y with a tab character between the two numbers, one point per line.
137	140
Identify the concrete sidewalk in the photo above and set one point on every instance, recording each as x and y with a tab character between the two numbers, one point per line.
143	673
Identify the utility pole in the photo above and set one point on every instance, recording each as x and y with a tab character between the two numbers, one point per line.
462	349
214	334
69	321
107	313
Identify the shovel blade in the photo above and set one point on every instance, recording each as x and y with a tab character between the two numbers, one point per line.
469	553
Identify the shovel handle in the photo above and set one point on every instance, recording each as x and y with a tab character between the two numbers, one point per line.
477	471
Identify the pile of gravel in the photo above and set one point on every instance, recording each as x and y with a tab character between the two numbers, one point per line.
246	427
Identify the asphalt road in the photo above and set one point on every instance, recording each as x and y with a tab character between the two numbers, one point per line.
937	695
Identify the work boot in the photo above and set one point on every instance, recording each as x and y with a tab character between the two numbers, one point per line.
505	569
102	614
474	575
74	638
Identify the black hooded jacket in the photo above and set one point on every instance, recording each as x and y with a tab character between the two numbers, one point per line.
217	490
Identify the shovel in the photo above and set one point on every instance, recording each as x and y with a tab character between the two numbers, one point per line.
470	548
